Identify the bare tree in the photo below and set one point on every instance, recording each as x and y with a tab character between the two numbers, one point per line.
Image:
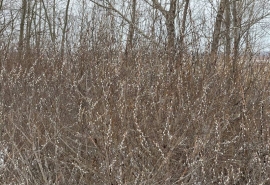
131	31
64	29
182	32
169	16
228	31
217	28
37	26
52	33
30	18
22	23
236	35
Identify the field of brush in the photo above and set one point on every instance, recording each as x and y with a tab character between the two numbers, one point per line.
105	119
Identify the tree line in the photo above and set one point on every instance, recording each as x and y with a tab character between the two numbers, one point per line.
177	27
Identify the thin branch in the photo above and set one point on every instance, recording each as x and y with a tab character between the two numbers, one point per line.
111	7
158	6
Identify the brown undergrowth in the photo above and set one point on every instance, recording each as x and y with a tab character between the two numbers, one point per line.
106	119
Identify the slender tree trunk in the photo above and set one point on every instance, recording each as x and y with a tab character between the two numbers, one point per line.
170	25
82	36
217	28
248	48
236	37
129	45
38	31
30	18
182	33
64	30
22	23
170	16
49	23
54	18
228	32
1	4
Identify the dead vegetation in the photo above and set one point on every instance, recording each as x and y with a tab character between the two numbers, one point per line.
98	122
134	92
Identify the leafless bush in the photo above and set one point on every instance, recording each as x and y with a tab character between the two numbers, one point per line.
133	92
100	122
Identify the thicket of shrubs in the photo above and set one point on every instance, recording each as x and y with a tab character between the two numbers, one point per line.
108	118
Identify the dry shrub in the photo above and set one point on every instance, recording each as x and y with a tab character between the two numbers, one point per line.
107	119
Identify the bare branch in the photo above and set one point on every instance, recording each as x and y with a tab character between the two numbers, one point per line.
158	6
111	7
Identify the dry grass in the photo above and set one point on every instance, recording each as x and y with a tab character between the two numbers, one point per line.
103	119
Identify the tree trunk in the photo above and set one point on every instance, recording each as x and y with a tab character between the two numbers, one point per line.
170	25
236	37
170	16
228	32
64	30
129	45
30	18
38	31
49	23
217	28
1	4
182	33
131	31
21	36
